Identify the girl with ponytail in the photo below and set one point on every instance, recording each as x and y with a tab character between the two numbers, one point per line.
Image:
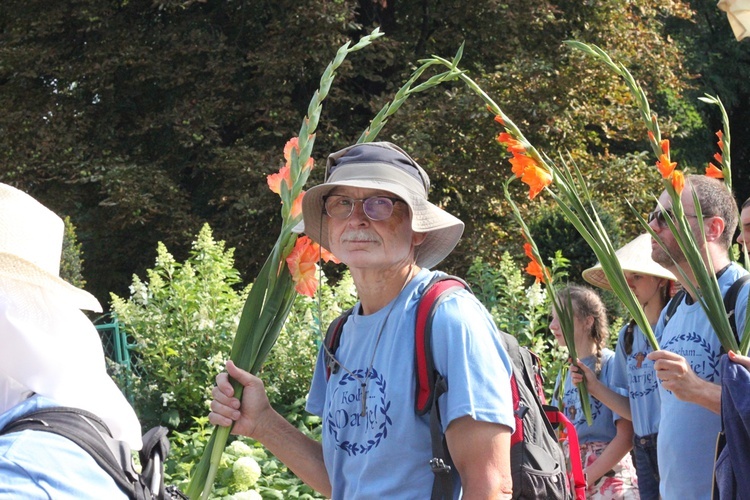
606	443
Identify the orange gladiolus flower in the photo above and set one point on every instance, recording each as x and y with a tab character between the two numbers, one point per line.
665	166
537	179
294	143
513	145
302	262
520	163
678	181
534	268
274	180
714	171
297	205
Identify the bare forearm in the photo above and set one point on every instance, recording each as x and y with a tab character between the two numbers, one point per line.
707	395
303	455
613	453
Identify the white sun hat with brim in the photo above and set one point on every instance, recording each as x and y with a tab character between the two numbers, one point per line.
385	166
635	257
48	346
31	239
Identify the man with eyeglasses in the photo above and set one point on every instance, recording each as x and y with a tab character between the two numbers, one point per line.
373	214
687	363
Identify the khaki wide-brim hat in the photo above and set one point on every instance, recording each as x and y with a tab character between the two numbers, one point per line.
385	166
31	238
634	257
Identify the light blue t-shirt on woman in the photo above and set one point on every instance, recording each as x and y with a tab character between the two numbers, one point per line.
385	453
602	428
636	372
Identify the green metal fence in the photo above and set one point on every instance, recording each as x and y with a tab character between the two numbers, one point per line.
117	348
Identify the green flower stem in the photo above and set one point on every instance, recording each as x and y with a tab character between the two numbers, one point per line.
575	201
272	295
706	289
564	312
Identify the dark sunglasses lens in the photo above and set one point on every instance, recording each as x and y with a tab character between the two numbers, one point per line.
378	208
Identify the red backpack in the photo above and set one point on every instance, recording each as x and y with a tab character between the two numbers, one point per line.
538	464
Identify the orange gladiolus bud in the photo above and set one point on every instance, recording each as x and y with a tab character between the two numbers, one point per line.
274	180
714	171
665	146
678	181
514	146
665	166
499	119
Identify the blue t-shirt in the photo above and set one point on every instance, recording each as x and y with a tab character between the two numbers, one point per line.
385	453
637	373
42	465
687	432
603	419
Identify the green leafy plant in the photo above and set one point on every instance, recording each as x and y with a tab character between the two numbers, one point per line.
182	318
519	308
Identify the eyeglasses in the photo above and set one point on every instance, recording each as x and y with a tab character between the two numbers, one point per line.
376	208
661	221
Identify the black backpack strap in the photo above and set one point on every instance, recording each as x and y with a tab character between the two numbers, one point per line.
430	384
673	304
332	341
87	431
730	303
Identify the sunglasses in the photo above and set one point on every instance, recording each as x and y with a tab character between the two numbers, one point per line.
660	218
376	208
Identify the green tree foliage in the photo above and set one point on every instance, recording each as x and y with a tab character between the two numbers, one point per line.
71	261
144	119
554	233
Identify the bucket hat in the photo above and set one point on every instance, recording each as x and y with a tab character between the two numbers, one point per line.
635	257
31	238
385	166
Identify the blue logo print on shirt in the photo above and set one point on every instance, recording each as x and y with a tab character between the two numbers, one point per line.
345	413
698	353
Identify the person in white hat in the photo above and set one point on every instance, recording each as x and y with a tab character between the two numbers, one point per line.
50	356
372	212
651	285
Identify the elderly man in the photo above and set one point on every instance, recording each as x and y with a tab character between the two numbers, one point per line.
372	212
688	362
50	356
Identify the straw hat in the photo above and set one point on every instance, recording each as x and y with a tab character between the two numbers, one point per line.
31	238
385	166
634	257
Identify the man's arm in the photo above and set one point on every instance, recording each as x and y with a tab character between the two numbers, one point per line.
481	454
254	417
677	376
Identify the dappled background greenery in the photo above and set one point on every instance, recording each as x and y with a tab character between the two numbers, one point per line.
142	120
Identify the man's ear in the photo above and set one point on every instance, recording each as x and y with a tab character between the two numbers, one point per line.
714	228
